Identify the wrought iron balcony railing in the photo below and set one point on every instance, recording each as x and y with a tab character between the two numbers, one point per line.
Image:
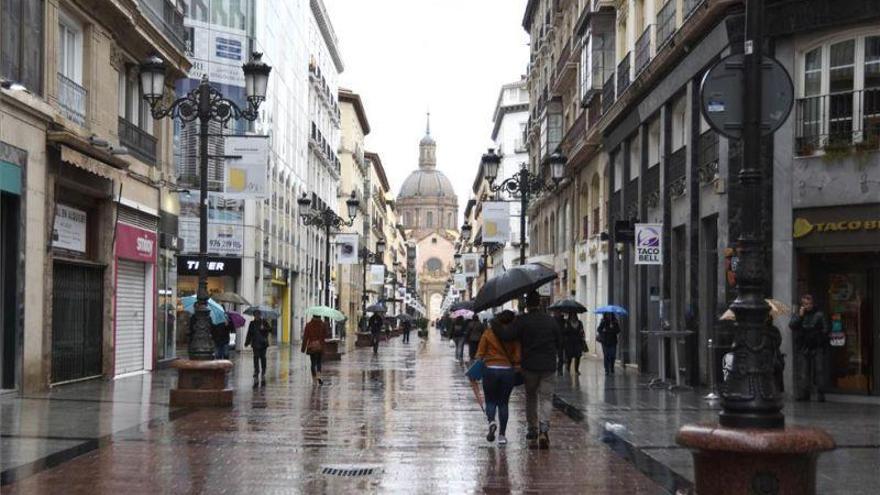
837	120
72	98
643	50
139	142
623	79
608	94
665	23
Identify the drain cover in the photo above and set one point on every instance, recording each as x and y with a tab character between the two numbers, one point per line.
350	470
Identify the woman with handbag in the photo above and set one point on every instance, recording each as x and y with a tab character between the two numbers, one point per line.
575	342
500	353
313	338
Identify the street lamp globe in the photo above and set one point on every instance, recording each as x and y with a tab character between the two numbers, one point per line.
353	204
490	163
557	166
380	247
152	79
256	78
466	231
304	201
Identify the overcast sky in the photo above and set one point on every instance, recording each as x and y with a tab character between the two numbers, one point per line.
450	56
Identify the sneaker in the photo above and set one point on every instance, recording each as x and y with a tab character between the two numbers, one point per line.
502	440
532	434
543	440
491	436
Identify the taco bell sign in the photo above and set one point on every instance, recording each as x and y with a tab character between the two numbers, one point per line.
649	243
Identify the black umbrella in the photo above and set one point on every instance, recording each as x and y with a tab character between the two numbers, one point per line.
568	305
513	283
376	308
404	317
461	305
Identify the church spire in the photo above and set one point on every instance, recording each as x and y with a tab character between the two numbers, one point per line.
428	126
427	147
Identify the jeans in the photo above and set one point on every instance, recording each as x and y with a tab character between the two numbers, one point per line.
260	359
315	358
609	353
539	398
406	337
459	348
221	351
472	349
497	386
810	372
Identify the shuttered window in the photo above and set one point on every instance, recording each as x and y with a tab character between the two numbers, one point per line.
21	43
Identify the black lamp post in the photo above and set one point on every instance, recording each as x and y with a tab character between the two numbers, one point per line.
523	185
327	219
205	104
369	257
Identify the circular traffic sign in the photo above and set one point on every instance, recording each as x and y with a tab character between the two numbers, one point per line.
721	96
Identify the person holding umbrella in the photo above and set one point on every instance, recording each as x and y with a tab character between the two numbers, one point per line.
314	335
459	333
607	334
575	342
502	359
475	331
375	326
406	325
539	335
258	339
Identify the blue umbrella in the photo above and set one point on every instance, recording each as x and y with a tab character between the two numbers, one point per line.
617	310
218	314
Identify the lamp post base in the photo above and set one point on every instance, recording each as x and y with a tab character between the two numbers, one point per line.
201	383
730	461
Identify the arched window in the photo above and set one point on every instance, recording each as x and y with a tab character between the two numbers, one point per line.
434	264
416	224
407	219
430	222
449	223
595	194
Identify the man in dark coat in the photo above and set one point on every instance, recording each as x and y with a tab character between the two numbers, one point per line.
375	326
540	338
810	333
258	339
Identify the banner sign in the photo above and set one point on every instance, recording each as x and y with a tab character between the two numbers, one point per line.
246	167
470	264
496	221
69	230
649	243
347	249
460	281
137	244
377	274
225	224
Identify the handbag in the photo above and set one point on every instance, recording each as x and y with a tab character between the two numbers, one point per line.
314	347
518	378
475	372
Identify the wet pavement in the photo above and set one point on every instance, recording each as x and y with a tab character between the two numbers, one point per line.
639	424
407	414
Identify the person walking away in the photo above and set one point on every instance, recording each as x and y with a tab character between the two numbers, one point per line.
474	334
406	326
220	336
560	351
314	335
540	338
459	334
375	327
258	338
810	332
502	360
575	342
607	333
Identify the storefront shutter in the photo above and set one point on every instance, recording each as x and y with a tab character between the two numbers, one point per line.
138	219
130	307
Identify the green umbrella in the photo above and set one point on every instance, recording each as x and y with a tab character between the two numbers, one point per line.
333	314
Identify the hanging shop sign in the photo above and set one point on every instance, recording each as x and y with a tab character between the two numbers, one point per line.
460	281
217	267
649	243
496	221
69	230
136	244
846	226
377	274
470	264
246	167
347	249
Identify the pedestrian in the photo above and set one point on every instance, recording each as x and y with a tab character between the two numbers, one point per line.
314	335
502	361
374	325
258	338
459	334
606	335
560	351
474	334
539	336
220	336
406	326
575	342
810	333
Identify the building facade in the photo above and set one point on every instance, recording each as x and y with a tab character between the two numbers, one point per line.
87	206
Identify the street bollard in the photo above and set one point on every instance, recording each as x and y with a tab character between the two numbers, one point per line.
711	396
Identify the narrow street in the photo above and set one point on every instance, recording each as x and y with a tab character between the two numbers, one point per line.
408	412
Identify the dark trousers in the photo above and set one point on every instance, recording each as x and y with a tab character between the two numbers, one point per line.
472	349
375	340
497	386
609	353
560	359
810	372
260	360
221	351
315	358
576	360
459	348
406	337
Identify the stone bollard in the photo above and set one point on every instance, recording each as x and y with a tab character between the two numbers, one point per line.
201	383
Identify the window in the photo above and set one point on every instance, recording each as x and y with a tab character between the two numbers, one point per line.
21	49
839	89
679	124
407	219
635	156
70	57
430	220
654	143
434	264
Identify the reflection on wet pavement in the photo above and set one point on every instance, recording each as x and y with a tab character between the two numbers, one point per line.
408	413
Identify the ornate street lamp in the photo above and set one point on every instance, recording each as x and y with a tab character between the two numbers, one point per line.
205	104
466	231
366	258
327	219
523	185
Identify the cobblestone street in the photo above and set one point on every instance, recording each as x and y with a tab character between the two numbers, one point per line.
409	413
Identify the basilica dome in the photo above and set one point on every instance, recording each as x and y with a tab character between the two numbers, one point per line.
426	183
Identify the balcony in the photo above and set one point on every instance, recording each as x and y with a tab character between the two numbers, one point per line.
563	58
708	157
623	79
838	121
665	23
140	143
690	6
643	50
72	98
168	18
676	183
608	94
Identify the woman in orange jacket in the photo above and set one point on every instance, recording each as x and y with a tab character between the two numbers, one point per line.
313	338
501	355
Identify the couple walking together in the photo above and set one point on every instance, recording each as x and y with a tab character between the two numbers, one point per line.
520	349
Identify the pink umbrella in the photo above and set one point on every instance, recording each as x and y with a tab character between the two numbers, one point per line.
465	313
237	320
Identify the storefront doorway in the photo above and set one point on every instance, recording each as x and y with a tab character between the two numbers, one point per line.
9	277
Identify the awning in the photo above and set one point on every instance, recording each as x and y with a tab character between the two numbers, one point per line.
89	164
